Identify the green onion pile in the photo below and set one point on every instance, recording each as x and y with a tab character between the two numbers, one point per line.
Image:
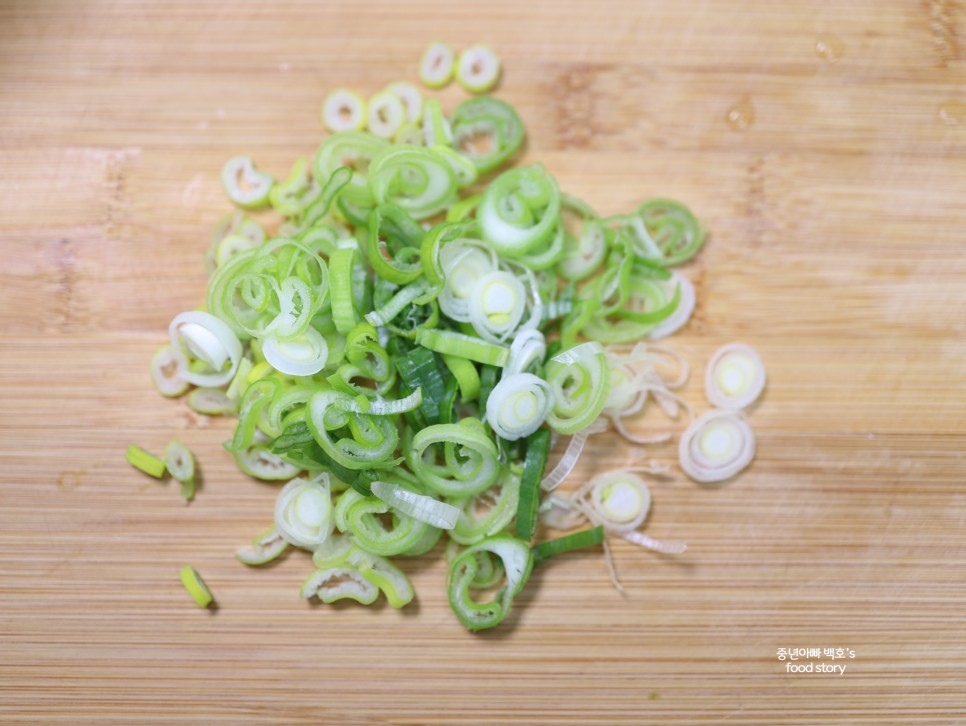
406	346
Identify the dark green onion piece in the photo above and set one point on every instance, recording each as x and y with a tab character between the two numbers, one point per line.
576	541
419	369
535	461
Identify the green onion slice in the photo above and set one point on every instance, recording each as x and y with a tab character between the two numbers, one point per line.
418	180
411	98
487	513
518	405
455	459
303	512
386	114
716	446
488	131
344	110
340	583
735	377
203	337
264	548
436	65
244	185
354	150
180	462
519	210
382	573
195	586
579	380
517	563
478	68
166	372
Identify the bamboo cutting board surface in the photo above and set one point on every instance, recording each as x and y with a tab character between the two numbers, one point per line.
824	145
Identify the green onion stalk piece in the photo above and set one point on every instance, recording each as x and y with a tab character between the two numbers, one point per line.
145	461
568	543
534	463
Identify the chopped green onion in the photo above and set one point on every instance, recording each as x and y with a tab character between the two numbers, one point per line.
466	376
145	461
303	512
344	110
735	377
195	586
401	341
418	506
264	548
519	210
518	405
411	98
383	574
716	446
167	374
579	379
449	343
488	131
180	462
534	463
517	562
478	69
386	114
437	130
568	543
211	402
436	66
244	185
488	512
470	458
418	180
340	583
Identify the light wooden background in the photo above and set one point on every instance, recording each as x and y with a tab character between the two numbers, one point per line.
822	143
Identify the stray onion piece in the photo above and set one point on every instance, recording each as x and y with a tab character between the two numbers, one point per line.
400	345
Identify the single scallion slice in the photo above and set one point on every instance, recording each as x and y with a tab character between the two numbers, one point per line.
145	461
195	586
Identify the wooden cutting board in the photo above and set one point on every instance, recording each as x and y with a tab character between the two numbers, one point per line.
823	144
